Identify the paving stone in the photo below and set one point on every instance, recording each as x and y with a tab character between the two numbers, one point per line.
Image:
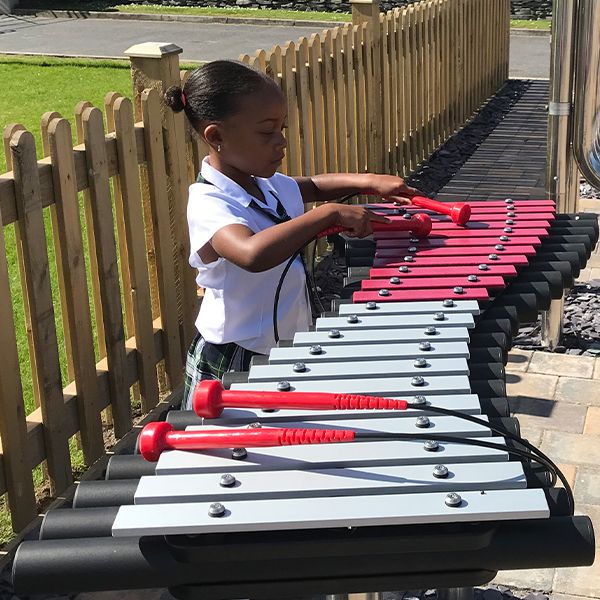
561	364
529	579
518	360
587	485
581	391
592	421
532	434
555	596
594	273
548	414
579	581
597	369
570	472
531	385
571	448
585	275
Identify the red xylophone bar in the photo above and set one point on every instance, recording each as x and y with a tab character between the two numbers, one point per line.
159	436
457	251
210	398
535	230
432	272
396	282
457	241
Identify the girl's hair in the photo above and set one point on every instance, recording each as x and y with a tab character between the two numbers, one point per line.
214	91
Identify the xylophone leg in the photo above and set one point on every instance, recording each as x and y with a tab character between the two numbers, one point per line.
466	593
552	323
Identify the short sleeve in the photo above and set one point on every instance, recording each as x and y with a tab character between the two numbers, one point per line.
209	210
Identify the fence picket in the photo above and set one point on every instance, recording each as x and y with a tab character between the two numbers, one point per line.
351	112
108	275
288	70
37	279
77	308
331	156
339	81
305	107
13	427
155	161
135	240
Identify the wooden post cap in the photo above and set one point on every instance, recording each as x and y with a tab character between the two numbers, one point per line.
152	50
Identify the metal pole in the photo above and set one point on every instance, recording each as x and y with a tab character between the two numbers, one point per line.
562	181
466	593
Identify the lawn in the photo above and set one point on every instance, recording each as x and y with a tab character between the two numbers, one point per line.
211	11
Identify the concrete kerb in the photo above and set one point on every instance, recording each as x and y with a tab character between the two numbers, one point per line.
83	14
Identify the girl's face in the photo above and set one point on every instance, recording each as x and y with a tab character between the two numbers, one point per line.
252	140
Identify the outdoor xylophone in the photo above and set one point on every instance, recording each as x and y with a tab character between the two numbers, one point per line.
410	505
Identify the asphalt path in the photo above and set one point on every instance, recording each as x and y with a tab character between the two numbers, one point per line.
529	55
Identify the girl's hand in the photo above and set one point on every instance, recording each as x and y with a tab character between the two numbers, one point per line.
357	219
392	188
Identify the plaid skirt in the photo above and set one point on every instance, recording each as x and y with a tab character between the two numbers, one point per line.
211	361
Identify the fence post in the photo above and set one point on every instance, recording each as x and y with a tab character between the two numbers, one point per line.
156	65
368	11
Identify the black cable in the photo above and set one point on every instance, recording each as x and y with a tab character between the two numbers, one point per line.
382	437
541	457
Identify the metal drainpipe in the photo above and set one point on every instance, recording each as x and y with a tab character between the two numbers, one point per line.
562	179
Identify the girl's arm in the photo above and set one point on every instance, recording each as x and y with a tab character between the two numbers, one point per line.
331	186
268	248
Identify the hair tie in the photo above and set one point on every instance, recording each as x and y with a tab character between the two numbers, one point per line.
183	99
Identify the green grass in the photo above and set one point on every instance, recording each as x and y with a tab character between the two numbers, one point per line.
541	25
210	11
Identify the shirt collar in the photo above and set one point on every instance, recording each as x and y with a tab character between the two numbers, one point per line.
233	189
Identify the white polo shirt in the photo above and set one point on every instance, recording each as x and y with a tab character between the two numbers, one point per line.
238	305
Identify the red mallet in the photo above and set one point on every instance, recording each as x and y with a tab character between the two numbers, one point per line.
459	212
159	436
419	224
210	399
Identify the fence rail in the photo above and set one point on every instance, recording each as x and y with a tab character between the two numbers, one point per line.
378	95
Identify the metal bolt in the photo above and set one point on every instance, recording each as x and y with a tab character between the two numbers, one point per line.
458	290
352	318
431	446
504	238
371	305
400	205
407	216
284	386
414	240
483	267
419	399
395	280
420	363
384	292
439	316
422	422
493	256
227	480
440	471
403	269
397	211
431	330
509	201
499	247
425	346
408	258
510	213
255	425
299	367
509	222
472	278
216	509
316	349
453	500
508	230
417	381
412	249
239	454
448	302
334	333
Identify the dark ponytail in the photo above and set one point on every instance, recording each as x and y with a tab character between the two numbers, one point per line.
214	91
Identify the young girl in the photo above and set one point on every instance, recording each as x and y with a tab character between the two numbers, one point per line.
246	220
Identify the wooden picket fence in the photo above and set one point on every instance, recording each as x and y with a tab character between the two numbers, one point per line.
378	95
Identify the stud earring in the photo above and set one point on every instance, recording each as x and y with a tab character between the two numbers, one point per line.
219	148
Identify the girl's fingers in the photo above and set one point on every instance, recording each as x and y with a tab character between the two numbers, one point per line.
378	218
